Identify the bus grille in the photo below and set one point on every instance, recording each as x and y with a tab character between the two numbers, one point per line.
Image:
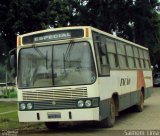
55	98
58	104
55	94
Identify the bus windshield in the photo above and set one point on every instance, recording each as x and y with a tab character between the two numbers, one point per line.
56	65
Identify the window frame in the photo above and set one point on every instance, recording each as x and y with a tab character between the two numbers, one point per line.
122	60
98	53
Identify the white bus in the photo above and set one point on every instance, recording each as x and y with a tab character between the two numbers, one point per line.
74	74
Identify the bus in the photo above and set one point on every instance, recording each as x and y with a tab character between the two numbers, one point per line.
78	74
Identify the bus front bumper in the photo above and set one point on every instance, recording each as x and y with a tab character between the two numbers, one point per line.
88	114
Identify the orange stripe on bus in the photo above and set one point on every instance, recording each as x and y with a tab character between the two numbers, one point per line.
140	80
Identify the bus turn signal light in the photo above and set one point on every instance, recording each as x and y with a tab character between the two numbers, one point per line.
19	41
87	32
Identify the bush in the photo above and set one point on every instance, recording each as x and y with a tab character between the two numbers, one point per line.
13	94
9	93
3	96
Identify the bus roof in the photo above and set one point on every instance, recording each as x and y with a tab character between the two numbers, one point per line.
83	27
118	38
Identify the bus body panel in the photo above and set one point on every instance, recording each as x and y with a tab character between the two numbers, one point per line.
125	85
122	82
65	115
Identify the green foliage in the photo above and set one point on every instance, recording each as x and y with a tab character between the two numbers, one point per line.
133	20
10	92
13	94
136	21
58	13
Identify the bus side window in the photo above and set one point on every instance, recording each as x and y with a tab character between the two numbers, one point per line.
121	55
141	57
136	57
146	57
112	54
101	54
130	57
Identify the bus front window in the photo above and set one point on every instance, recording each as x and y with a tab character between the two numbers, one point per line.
56	65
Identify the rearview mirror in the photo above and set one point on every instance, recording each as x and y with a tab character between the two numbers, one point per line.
13	62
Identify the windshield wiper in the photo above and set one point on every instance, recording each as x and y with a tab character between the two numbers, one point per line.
41	54
68	51
66	56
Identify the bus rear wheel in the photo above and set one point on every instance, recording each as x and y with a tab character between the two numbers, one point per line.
52	125
110	120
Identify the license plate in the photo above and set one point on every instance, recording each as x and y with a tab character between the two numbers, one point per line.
54	115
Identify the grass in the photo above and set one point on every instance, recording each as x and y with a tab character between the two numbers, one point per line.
8	106
9	121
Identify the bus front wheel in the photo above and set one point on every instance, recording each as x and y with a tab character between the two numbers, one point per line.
52	125
110	120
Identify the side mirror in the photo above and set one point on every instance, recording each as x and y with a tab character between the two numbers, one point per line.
12	61
13	64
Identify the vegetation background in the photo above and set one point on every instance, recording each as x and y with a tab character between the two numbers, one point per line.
135	20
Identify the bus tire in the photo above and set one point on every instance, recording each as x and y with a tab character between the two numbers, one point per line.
52	125
110	120
140	105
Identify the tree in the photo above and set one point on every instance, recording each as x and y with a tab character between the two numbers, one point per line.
30	15
23	16
147	25
58	13
3	50
99	14
134	20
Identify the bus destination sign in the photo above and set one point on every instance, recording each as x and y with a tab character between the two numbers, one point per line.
53	36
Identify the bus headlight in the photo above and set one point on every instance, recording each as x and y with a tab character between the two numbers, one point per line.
22	106
88	103
29	106
80	103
